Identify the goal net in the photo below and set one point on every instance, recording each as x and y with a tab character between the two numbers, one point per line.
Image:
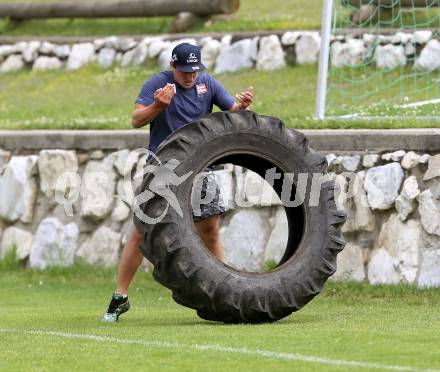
380	59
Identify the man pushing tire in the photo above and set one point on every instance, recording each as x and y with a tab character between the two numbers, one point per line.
167	101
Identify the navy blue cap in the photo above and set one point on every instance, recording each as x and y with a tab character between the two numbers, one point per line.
187	58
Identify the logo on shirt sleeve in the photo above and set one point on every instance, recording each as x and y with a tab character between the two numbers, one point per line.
201	89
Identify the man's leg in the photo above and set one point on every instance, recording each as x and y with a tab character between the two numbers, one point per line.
130	261
209	232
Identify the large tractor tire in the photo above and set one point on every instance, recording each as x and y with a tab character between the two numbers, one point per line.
183	264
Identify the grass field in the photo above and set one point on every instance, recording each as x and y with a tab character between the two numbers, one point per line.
100	99
50	321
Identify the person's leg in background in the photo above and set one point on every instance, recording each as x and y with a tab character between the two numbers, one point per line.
209	232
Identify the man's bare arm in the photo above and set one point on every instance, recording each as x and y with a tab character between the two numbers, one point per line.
143	115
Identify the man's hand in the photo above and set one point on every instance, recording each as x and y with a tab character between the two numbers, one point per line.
163	96
142	115
245	98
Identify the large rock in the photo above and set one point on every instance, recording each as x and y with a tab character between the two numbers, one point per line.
7	50
370	160
18	189
429	209
122	210
350	163
126	189
106	57
277	242
410	50
47	48
138	174
398	155
256	191
433	168
98	187
389	56
148	40
236	57
340	192
125	160
124	43
54	244
435	188
4	158
226	40
102	248
21	240
80	55
359	214
403	240
210	52
410	160
44	63
421	37
135	57
156	47
429	58
331	160
382	268
225	182
350	53
12	63
429	275
119	43
29	50
62	51
382	185
350	264
406	201
51	165
401	38
424	158
394	156
271	54
307	48
244	240
430	242
99	44
290	37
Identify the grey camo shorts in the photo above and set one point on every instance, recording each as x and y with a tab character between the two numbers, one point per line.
206	198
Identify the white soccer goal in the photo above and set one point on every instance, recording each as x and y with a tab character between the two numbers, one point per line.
380	59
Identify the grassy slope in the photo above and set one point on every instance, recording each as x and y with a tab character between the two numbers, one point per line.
388	325
252	15
95	98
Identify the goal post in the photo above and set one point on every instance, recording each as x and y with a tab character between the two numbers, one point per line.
380	59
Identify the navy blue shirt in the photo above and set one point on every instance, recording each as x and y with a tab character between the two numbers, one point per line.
186	106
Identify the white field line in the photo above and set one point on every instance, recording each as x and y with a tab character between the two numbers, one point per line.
217	348
421	103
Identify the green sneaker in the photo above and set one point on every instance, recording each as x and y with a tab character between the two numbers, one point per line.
118	305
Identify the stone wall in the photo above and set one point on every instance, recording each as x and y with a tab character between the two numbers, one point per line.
392	199
226	54
392	203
